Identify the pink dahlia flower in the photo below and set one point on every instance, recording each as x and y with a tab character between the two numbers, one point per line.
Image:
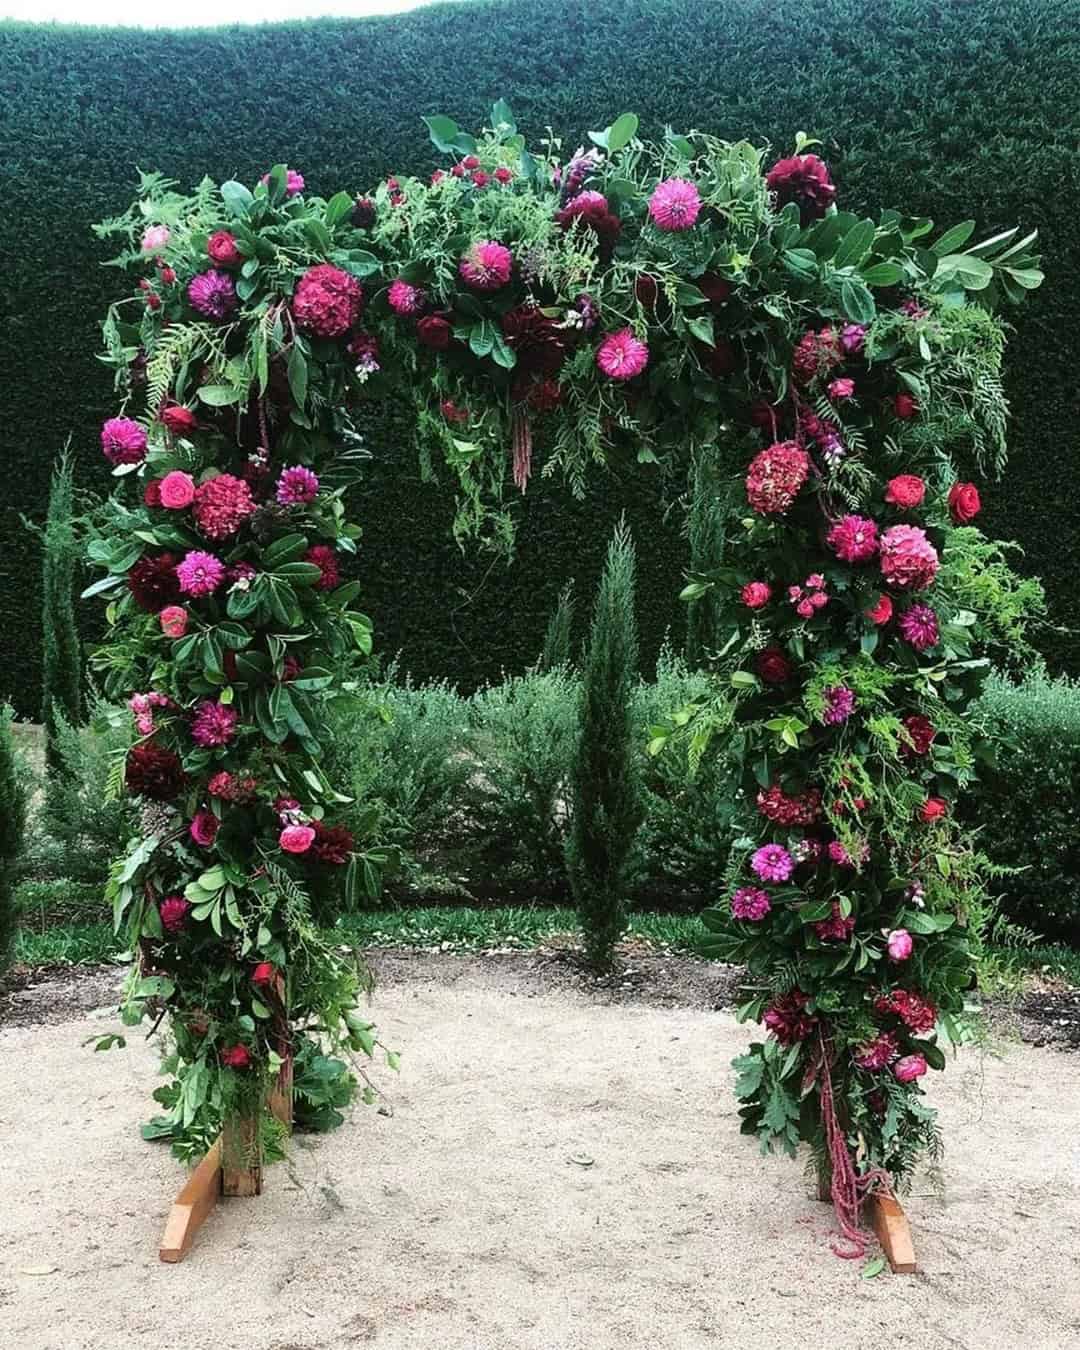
900	944
675	205
174	621
803	179
486	266
177	490
750	903
776	476
200	573
621	355
854	539
839	705
204	828
222	504
213	294
919	626
327	301
908	559
297	486
296	838
404	298
909	1068
772	862
123	441
214	723
155	237
878	1053
174	910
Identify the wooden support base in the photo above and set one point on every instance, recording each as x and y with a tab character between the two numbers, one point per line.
192	1206
894	1233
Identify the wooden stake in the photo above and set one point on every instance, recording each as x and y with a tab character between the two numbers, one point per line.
894	1233
192	1205
241	1156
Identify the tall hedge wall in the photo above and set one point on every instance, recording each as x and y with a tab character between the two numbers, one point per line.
943	106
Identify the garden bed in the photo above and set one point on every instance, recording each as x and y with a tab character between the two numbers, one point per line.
561	1168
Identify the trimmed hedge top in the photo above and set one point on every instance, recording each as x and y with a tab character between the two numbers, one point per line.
915	93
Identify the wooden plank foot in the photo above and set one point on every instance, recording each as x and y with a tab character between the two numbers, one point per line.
894	1233
192	1206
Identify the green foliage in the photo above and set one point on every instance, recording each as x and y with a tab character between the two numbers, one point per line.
558	648
1028	805
706	527
13	805
61	685
896	132
606	787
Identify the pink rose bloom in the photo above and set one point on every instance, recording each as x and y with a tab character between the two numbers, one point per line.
909	1068
756	594
674	205
177	490
805	609
174	621
621	355
296	838
204	828
842	388
853	539
154	238
222	250
900	944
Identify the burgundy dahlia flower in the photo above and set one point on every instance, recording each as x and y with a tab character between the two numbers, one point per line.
154	583
803	179
213	294
154	772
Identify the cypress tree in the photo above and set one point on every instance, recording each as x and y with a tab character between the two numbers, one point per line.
607	793
61	664
557	650
705	528
12	832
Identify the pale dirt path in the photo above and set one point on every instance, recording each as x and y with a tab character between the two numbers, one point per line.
462	1224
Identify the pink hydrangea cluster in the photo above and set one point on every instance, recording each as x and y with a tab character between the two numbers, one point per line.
221	506
772	862
810	596
200	573
123	441
776	477
909	562
750	903
675	205
214	723
486	266
297	486
622	355
802	809
327	301
853	539
919	626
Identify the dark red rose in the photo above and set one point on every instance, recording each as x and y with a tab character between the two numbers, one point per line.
434	331
592	210
154	583
716	289
221	246
773	666
933	809
236	1057
905	406
803	179
152	493
922	732
155	773
646	290
179	420
905	491
964	503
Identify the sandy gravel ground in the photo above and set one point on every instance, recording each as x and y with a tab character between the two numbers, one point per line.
561	1172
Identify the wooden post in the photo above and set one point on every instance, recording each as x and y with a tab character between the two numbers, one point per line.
241	1155
192	1205
894	1233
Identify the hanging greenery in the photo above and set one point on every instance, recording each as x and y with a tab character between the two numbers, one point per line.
630	302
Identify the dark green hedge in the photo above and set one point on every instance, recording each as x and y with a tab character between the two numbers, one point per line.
946	107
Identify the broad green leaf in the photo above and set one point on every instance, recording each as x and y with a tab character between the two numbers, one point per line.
857	301
298	376
220	395
622	131
855	244
237	198
954	238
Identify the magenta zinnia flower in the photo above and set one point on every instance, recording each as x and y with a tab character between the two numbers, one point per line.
212	294
675	204
486	266
853	539
296	486
772	862
222	504
200	573
839	705
214	723
123	441
751	903
405	298
621	355
919	626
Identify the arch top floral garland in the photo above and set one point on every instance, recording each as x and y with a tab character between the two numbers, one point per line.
633	302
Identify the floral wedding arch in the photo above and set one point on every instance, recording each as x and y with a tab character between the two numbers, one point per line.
636	301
